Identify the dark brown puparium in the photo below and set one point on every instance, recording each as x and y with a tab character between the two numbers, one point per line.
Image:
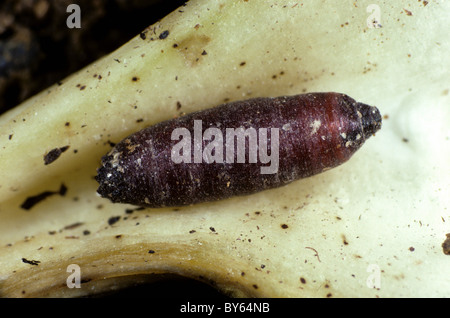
317	131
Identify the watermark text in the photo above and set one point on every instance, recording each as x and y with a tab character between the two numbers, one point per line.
190	149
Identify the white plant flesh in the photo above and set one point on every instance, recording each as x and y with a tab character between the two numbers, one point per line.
373	227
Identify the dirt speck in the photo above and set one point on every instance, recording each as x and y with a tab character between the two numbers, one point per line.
409	13
31	262
113	220
164	35
31	201
54	154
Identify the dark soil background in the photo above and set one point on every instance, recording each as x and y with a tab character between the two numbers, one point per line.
37	49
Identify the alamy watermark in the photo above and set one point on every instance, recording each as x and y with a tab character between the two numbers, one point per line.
374	279
74	19
374	19
213	152
74	279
